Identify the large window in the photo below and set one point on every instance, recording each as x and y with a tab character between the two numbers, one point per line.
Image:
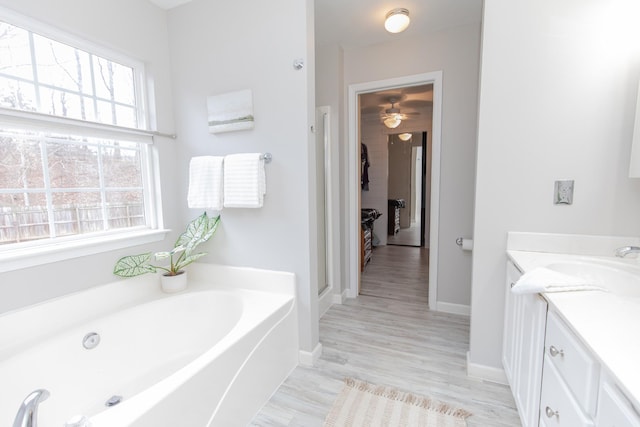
41	74
74	161
55	186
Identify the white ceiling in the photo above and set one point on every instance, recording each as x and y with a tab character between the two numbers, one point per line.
357	23
407	99
414	101
168	4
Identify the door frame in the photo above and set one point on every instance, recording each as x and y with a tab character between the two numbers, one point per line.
353	205
423	184
325	298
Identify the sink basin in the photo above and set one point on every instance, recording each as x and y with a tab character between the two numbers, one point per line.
622	281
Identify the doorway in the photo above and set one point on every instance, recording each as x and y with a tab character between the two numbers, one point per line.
354	184
407	220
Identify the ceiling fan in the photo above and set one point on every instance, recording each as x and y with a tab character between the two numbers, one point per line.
392	117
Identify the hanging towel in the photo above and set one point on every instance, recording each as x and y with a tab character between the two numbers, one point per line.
546	280
205	182
244	181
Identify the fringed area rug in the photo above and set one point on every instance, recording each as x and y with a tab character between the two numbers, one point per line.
362	404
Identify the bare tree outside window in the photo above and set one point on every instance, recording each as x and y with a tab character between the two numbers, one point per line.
55	185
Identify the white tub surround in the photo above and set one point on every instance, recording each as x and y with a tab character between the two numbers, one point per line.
208	356
602	321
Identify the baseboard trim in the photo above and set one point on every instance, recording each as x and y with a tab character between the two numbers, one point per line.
486	373
309	359
447	307
340	298
325	301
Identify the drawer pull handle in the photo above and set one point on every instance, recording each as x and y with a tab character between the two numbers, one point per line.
512	284
555	352
551	413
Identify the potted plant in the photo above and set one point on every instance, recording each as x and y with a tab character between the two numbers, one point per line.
174	277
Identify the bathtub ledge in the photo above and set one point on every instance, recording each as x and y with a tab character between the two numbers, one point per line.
21	328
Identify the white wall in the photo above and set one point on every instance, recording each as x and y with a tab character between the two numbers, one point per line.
558	92
141	33
456	52
402	177
214	52
376	141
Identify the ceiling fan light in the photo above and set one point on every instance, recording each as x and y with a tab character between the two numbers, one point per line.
397	20
404	136
392	122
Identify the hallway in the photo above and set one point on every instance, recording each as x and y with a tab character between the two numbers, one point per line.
406	236
387	336
399	273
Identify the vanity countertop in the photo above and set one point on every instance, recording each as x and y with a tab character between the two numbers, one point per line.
606	323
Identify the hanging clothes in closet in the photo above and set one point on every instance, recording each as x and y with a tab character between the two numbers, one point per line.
364	163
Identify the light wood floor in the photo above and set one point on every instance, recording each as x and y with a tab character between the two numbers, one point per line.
397	272
406	236
388	337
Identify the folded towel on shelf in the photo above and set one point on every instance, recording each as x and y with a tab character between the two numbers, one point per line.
205	183
244	181
546	280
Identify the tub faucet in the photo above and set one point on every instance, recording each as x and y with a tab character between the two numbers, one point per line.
626	250
28	412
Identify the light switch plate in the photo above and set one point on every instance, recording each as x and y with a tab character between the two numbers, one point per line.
563	192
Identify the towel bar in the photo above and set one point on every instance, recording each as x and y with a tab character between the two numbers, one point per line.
164	135
266	157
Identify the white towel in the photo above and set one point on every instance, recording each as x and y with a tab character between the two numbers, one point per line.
546	280
244	181
205	182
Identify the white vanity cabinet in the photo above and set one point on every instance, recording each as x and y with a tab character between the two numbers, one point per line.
557	380
570	379
523	347
614	409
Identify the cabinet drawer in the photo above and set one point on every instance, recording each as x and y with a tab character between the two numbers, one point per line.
572	361
557	405
614	410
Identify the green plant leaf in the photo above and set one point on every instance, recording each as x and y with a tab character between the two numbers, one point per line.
212	226
188	260
133	265
198	231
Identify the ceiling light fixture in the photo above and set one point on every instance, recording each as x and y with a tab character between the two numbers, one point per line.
392	117
404	136
392	122
397	20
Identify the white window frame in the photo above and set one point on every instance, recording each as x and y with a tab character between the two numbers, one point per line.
44	251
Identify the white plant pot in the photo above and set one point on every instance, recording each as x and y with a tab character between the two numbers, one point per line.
171	284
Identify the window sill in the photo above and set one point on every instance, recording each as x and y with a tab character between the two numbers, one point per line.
15	259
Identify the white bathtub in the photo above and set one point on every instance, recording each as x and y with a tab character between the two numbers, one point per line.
209	356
